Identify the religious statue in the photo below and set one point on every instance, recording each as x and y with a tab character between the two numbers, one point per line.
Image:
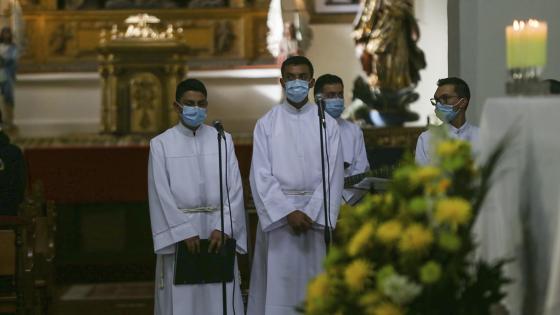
289	45
289	33
386	34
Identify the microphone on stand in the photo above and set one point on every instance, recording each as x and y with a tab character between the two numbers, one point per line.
320	100
219	127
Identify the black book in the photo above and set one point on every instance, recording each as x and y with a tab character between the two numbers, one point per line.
204	267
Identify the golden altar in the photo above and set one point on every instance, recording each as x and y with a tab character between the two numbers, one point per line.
139	72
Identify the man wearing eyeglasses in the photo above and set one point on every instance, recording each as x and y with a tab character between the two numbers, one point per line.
184	198
451	100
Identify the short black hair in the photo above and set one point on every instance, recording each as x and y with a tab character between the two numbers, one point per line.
324	80
296	60
190	85
461	87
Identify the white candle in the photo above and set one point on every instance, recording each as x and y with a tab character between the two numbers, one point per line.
526	44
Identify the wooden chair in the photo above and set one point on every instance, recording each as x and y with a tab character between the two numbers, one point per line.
12	253
27	251
39	247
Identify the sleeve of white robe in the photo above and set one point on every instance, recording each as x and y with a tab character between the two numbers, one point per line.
422	150
235	206
271	203
362	163
314	208
169	225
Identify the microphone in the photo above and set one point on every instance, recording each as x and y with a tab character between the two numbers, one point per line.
219	127
320	100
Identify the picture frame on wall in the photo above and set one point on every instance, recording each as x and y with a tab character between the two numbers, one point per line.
336	6
332	11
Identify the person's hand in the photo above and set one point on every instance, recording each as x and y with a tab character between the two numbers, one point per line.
193	244
299	221
216	241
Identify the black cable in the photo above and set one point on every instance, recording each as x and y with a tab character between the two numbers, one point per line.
231	224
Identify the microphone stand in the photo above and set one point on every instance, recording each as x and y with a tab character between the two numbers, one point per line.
323	126
222	252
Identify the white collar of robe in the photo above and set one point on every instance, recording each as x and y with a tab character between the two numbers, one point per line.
294	110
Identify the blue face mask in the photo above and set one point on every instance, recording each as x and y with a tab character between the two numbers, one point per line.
193	116
297	90
334	106
445	112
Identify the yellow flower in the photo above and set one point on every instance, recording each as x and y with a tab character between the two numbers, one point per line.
418	206
357	274
455	211
361	209
317	291
389	231
369	299
388	198
376	200
361	239
387	309
443	184
426	174
448	148
415	238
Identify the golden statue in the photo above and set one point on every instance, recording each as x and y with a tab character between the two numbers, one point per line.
386	36
386	33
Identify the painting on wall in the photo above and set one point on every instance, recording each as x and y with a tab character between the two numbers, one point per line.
336	6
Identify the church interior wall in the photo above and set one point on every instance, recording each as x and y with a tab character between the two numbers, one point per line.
60	103
482	44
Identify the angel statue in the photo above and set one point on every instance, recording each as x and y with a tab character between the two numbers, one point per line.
11	42
386	36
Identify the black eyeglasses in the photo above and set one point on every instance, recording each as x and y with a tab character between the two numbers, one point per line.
442	99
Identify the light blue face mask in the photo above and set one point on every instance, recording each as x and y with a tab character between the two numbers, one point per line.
334	106
193	116
445	112
297	90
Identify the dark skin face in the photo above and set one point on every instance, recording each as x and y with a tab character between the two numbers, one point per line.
190	98
196	98
335	90
447	95
297	72
6	36
297	219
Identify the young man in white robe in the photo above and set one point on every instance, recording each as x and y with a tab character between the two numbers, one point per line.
184	197
451	100
330	89
286	183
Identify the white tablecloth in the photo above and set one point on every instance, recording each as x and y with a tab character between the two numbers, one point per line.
520	216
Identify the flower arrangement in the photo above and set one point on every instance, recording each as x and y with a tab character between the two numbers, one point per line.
410	250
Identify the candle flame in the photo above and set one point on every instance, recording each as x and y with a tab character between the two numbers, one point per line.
516	25
533	23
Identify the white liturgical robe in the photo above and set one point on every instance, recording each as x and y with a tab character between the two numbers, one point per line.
285	176
184	197
353	152
466	132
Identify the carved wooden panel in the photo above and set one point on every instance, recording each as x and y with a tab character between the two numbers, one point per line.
65	40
